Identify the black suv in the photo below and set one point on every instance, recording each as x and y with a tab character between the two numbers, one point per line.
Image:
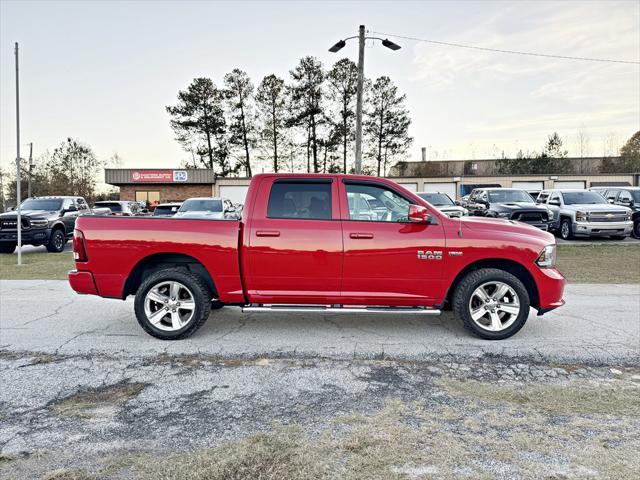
45	221
626	197
509	203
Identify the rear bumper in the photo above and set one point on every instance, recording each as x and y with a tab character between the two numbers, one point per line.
550	283
82	282
593	229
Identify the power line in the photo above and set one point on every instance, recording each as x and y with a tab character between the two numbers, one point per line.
512	52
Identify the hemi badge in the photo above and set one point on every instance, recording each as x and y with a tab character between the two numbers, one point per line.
455	253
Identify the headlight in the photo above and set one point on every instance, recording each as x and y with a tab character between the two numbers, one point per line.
628	216
39	223
547	257
550	212
581	216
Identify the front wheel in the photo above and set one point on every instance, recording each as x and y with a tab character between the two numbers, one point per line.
57	241
636	230
172	304
10	248
566	229
491	303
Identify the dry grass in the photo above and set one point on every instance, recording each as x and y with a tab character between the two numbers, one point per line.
83	404
68	474
600	263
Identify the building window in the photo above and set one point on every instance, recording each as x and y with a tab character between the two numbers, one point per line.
151	198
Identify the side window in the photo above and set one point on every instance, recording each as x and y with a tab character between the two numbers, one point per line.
625	196
611	194
375	203
66	203
304	200
81	204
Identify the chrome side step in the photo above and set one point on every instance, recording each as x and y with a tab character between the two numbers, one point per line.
331	309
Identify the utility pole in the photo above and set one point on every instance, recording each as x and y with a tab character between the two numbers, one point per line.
337	47
358	166
18	192
30	168
1	191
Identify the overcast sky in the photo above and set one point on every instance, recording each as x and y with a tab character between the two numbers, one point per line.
103	72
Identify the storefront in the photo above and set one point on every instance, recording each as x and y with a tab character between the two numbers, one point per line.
155	186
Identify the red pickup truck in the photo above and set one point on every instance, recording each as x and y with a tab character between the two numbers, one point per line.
321	243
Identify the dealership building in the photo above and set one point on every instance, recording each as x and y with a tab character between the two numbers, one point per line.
454	177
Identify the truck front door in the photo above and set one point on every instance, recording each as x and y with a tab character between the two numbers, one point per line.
387	259
293	242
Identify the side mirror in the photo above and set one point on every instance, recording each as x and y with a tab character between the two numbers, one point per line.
554	202
457	203
418	214
72	208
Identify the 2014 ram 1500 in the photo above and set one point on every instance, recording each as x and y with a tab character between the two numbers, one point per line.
313	243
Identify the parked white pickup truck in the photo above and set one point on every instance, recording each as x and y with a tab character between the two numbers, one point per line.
586	213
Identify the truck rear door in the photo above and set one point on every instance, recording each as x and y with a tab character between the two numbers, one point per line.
387	259
293	242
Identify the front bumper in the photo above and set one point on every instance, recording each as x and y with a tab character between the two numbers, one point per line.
33	236
82	282
550	283
593	229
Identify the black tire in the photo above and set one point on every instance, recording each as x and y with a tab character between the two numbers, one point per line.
10	248
464	291
201	296
57	241
566	229
636	230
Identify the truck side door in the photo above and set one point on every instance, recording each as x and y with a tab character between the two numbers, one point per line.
293	242
387	259
69	214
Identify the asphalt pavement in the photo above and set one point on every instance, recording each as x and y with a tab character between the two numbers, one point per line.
600	324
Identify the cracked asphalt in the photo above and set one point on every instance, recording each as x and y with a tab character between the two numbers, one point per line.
83	387
600	324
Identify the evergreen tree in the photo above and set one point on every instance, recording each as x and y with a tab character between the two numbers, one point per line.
239	91
271	103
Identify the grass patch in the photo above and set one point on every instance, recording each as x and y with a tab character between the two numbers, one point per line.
599	263
85	403
68	474
36	266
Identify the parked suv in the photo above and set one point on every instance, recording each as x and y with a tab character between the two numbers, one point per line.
625	197
443	202
45	221
120	208
509	203
586	213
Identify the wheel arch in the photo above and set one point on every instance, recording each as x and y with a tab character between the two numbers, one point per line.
159	261
511	266
59	226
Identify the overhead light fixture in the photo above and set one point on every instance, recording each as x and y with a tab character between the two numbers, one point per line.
389	44
338	46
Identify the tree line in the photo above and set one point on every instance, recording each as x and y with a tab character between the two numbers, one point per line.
305	123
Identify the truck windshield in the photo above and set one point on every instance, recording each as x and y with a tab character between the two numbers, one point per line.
195	205
505	196
113	206
582	198
436	199
41	204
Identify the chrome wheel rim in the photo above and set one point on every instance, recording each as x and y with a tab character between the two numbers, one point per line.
565	230
58	240
169	306
494	306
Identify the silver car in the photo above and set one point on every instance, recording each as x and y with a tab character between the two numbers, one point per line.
443	202
205	208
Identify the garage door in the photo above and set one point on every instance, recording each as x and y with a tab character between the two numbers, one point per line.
235	193
529	186
445	187
569	184
412	187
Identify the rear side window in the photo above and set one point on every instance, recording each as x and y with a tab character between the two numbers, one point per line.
304	200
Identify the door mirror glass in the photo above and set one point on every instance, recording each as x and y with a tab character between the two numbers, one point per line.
418	214
554	201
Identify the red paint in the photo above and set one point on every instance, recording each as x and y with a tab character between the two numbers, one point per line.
333	261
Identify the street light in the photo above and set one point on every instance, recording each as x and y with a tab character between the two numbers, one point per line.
337	47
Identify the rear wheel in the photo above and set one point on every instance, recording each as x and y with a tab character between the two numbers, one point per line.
491	303
10	248
172	304
636	230
57	241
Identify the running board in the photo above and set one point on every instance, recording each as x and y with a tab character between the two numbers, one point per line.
338	309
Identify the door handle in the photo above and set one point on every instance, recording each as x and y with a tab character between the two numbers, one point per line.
361	236
267	233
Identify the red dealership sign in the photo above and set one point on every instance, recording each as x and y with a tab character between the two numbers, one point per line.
158	176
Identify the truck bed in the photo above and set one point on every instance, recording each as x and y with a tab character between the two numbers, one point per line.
116	245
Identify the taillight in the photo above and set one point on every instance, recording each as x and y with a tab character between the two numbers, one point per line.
79	251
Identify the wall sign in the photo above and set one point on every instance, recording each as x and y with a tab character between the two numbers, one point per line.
159	176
